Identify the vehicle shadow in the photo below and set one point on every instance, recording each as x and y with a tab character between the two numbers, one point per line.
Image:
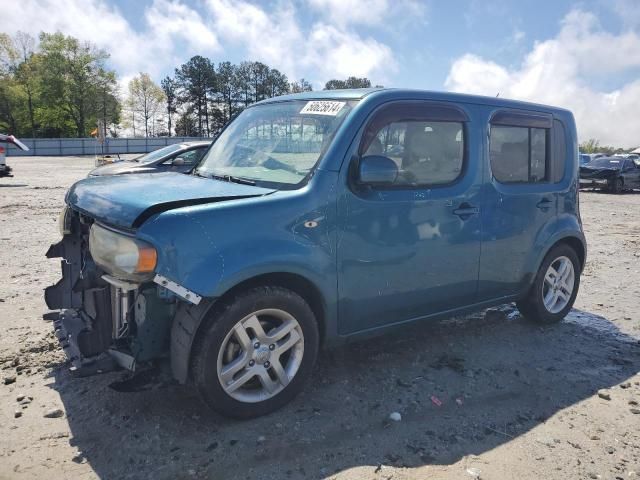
494	375
13	185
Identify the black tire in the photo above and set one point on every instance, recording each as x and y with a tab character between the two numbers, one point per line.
617	185
219	323
532	306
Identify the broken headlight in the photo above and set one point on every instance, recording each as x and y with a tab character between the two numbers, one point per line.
123	256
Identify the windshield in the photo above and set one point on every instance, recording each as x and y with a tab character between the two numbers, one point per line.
276	143
606	162
158	154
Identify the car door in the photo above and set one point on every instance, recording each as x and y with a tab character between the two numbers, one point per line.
410	248
520	198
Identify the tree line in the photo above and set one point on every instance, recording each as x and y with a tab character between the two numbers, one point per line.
58	86
55	87
593	146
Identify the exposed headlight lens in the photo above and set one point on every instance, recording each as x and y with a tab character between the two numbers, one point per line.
64	222
123	256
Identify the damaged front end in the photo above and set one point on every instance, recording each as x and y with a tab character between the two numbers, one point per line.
104	322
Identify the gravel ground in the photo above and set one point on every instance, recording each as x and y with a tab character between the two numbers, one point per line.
486	396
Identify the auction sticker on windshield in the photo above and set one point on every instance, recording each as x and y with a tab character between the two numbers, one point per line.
316	107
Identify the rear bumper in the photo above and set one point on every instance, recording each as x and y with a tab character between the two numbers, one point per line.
5	171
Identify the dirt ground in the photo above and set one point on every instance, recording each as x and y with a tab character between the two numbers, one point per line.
517	400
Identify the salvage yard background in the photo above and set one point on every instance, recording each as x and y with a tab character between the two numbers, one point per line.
518	400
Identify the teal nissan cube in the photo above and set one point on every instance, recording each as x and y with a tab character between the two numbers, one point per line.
314	218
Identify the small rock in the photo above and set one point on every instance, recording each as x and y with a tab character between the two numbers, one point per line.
20	397
635	411
25	401
595	437
9	379
625	385
604	395
395	416
17	414
261	439
474	472
633	402
53	413
610	450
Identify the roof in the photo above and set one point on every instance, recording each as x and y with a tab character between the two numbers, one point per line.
360	93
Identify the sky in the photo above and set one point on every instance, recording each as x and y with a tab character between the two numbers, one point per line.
581	55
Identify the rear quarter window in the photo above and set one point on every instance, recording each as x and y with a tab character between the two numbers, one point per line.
559	158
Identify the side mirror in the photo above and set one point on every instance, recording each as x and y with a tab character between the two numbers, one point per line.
377	170
177	162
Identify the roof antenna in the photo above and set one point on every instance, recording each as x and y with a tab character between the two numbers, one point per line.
498	94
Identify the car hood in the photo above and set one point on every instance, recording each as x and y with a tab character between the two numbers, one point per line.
591	172
129	200
118	168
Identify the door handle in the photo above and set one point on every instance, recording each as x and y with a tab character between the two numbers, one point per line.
544	204
465	210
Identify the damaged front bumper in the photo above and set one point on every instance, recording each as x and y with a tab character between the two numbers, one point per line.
104	323
594	182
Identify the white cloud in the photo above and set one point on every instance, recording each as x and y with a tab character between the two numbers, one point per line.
171	31
344	12
558	72
368	12
167	22
276	38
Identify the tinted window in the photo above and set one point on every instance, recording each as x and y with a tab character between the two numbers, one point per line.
426	152
519	154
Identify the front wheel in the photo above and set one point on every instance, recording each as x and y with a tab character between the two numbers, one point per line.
255	352
617	186
555	287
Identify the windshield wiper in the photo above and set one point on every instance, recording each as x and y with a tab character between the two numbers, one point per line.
226	178
231	178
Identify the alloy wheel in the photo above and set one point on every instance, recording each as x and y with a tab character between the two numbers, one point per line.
260	355
558	285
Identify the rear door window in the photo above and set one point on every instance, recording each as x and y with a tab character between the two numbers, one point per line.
519	148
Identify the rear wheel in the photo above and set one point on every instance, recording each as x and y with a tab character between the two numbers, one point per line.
555	287
255	352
